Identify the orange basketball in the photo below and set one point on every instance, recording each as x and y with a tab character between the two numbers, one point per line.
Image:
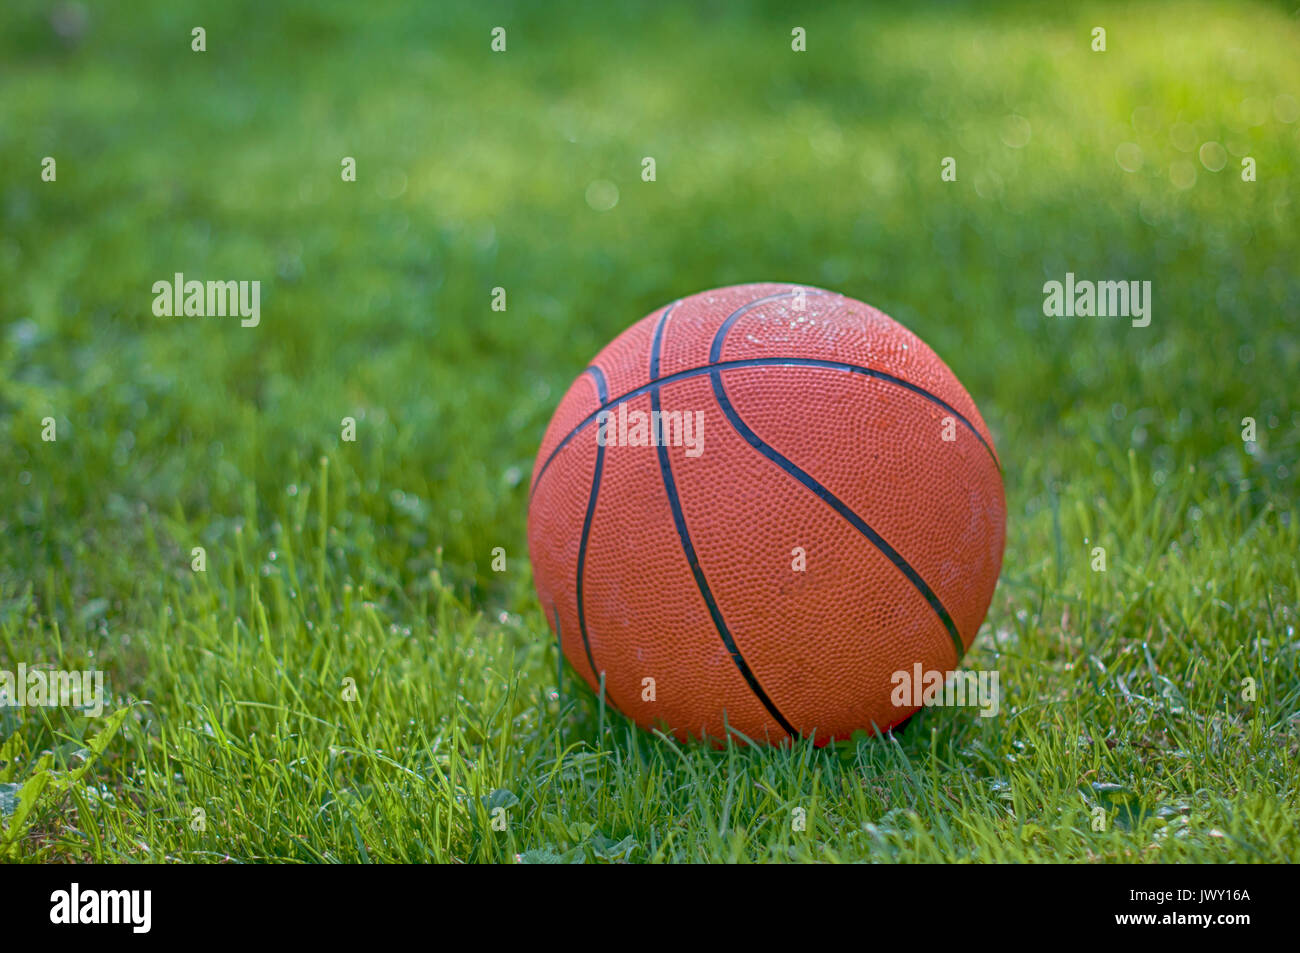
755	507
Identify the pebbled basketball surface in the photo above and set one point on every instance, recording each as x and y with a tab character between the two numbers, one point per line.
838	516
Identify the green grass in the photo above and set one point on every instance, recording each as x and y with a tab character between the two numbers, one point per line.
370	561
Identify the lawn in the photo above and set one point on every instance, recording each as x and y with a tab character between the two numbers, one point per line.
348	678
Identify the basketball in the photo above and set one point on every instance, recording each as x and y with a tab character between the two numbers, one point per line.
755	508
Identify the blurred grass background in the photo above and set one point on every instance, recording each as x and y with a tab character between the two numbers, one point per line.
473	172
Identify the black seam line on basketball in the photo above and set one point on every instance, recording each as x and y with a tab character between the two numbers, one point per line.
658	338
734	418
655	342
715	350
720	340
598	376
602	393
692	560
838	505
759	362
